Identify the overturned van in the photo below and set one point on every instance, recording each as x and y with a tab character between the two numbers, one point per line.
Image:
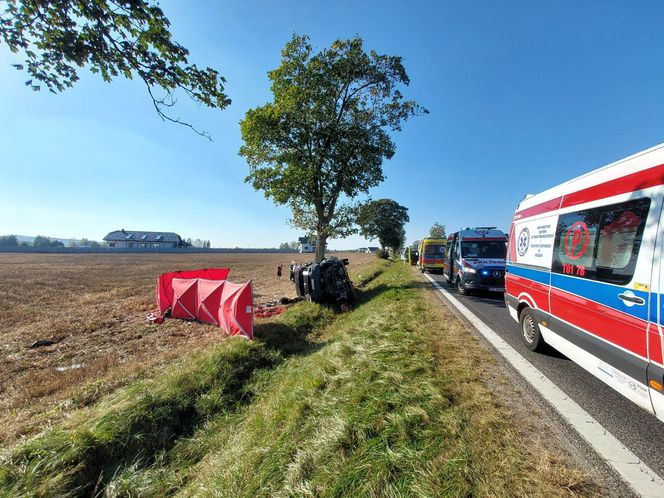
475	260
325	282
584	274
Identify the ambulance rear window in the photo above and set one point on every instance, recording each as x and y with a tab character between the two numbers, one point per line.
601	243
434	249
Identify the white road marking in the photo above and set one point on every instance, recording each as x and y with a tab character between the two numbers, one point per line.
641	478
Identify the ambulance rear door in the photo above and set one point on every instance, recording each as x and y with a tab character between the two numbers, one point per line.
656	324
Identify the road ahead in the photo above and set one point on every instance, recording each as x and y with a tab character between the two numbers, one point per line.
639	431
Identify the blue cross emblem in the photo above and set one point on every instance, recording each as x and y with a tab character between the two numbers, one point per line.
523	242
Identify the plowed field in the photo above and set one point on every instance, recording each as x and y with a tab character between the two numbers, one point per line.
94	307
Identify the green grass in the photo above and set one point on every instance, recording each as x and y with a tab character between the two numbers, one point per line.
385	400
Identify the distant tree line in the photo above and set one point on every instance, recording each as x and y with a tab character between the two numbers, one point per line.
289	246
39	241
43	241
85	243
204	244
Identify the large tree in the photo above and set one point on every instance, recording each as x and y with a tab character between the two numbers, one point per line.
384	220
437	231
128	38
323	138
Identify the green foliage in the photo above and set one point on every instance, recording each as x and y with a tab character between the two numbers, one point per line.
112	38
289	246
8	241
382	254
384	220
137	423
42	241
323	138
200	243
437	231
84	242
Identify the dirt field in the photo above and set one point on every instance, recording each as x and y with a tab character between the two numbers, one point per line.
94	307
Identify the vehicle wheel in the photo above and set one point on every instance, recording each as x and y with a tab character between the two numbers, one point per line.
530	331
460	288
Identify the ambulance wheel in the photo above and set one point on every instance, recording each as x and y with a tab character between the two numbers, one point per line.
530	331
460	287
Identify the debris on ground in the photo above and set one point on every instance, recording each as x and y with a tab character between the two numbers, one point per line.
41	342
269	311
45	342
75	366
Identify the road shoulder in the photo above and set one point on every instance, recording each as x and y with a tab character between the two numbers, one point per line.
539	421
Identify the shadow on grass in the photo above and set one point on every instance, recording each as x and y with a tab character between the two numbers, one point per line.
154	420
366	295
286	340
365	280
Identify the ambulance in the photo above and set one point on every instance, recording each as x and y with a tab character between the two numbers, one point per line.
430	255
584	274
475	260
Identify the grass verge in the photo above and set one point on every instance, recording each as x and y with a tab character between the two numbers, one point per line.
386	400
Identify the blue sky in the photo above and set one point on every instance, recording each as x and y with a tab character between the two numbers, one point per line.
523	95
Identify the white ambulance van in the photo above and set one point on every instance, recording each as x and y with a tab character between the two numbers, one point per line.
475	260
584	274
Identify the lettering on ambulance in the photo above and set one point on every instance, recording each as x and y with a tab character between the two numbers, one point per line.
534	241
600	245
532	247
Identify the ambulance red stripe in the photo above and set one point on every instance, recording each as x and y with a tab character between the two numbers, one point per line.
655	346
516	285
602	321
544	207
636	181
640	180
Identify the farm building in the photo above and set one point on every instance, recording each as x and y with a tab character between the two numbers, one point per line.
368	250
305	244
132	239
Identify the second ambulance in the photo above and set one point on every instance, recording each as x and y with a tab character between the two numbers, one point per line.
475	260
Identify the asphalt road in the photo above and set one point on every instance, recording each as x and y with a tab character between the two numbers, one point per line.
638	430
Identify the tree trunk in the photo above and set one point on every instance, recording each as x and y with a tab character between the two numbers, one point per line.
320	248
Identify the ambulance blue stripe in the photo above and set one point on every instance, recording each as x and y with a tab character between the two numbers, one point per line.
536	275
653	308
600	292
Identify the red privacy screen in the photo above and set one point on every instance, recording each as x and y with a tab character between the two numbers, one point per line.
206	296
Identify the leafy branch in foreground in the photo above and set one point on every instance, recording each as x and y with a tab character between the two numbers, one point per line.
113	38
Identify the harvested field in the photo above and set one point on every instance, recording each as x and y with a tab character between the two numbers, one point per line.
393	398
94	307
